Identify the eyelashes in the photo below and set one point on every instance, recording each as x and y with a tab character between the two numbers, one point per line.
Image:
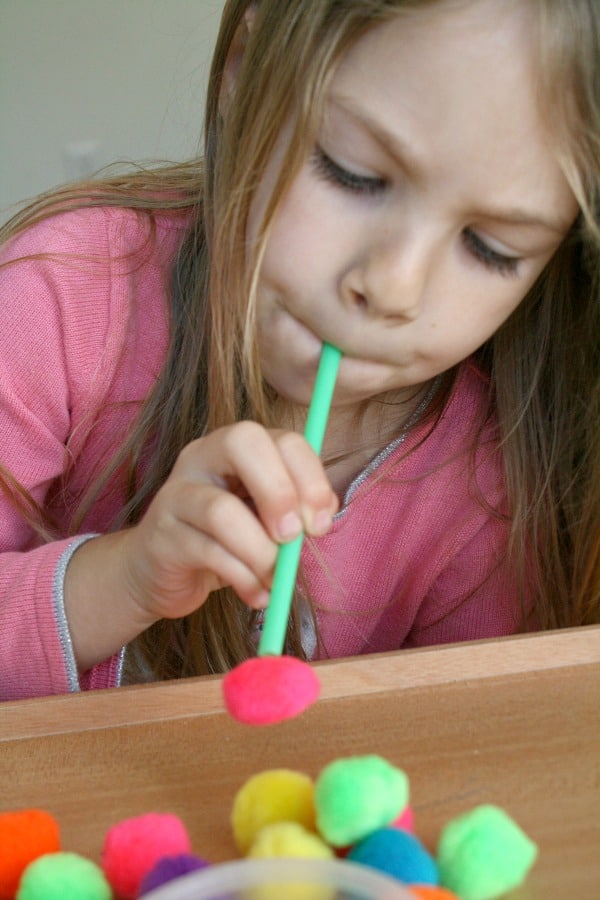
369	186
337	175
497	262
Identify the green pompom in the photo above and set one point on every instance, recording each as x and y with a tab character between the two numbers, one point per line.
483	853
356	796
63	876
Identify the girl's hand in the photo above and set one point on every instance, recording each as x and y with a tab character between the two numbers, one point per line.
217	521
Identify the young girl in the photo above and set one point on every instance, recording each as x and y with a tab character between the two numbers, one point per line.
415	182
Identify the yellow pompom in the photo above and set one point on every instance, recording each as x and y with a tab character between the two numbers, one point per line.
288	839
276	795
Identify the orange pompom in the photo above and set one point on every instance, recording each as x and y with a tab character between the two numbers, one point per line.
427	892
24	835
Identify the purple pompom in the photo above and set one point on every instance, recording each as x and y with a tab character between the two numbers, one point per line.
170	867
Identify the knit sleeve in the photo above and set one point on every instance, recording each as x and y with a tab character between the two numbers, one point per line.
36	400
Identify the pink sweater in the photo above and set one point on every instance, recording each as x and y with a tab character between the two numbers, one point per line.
414	556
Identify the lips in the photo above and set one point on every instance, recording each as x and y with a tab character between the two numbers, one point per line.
296	346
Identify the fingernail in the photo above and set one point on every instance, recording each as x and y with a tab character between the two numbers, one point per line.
262	600
290	526
322	521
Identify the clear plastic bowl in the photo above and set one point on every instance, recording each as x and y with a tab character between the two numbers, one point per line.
283	879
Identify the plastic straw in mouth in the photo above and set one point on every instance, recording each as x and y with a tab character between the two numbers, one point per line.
274	629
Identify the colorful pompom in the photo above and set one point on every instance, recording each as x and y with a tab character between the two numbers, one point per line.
405	821
288	839
428	892
358	806
268	689
168	868
24	835
483	854
63	876
132	848
357	795
276	795
397	853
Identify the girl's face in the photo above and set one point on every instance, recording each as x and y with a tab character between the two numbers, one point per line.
429	206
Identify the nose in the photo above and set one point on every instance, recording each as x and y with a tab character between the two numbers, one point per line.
389	279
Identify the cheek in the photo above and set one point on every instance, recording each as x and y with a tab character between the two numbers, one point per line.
305	230
455	330
509	303
292	239
488	306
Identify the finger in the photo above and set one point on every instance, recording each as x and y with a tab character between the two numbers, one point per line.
248	452
318	502
187	564
230	524
227	569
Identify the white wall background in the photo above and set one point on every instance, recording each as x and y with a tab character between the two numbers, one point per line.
87	82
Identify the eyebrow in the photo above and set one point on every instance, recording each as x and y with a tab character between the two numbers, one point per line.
404	157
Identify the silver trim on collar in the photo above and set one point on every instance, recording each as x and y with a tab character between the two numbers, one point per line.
384	454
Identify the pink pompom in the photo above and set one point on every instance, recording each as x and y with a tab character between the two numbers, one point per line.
268	689
405	821
133	846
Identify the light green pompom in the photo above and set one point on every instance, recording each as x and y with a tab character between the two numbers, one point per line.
483	853
357	795
63	876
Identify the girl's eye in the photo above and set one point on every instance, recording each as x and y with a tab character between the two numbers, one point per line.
497	262
343	178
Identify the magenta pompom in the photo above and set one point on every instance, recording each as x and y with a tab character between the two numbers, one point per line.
268	689
405	821
132	848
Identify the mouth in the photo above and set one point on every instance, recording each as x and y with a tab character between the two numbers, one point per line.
300	337
307	341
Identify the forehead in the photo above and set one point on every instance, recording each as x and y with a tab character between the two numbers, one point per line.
459	84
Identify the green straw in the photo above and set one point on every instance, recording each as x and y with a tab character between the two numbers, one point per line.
274	629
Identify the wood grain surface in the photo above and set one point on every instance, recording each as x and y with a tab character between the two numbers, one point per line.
515	722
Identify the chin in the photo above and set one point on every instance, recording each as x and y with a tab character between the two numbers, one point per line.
293	390
295	397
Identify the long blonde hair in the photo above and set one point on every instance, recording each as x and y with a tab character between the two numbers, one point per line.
543	363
